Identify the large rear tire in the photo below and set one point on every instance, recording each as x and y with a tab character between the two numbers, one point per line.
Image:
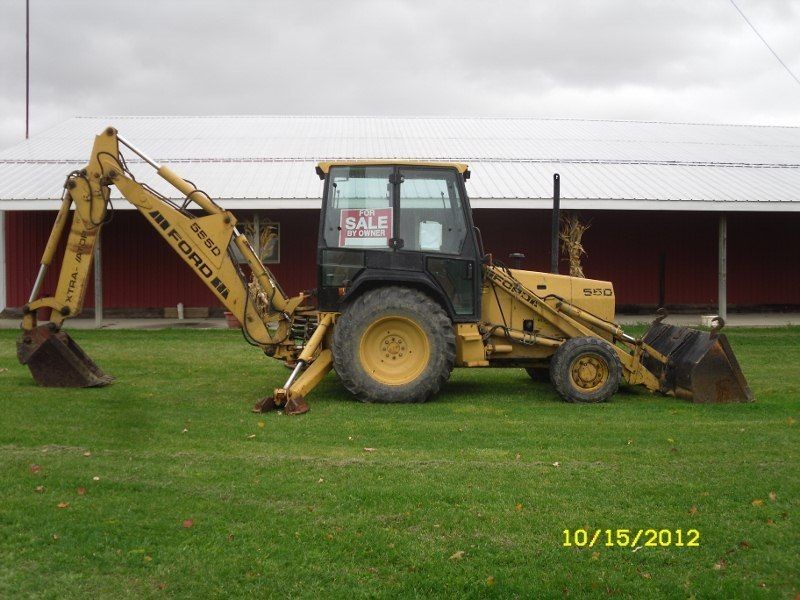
585	369
393	344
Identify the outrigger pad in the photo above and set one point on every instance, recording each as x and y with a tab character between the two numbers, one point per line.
55	360
701	366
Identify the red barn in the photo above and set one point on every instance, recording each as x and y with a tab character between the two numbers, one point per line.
669	204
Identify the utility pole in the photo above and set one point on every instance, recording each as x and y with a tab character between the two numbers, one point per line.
27	66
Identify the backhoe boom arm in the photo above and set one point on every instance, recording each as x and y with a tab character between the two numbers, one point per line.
203	242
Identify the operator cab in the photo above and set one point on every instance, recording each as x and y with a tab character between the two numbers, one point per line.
398	223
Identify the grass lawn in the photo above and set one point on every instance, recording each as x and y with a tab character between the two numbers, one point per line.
168	485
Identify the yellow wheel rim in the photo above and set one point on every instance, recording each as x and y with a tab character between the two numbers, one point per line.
588	372
394	350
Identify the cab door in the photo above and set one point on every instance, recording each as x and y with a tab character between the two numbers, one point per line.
434	220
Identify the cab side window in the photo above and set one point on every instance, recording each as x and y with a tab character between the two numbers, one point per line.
431	218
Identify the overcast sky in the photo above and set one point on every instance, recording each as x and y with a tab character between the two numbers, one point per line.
677	60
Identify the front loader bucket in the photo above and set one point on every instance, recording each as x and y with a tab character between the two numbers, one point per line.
55	360
700	366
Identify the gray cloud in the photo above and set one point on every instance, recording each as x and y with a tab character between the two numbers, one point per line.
651	60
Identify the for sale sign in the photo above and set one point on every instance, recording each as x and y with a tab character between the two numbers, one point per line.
365	227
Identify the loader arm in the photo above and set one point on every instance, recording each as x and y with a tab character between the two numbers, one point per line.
204	242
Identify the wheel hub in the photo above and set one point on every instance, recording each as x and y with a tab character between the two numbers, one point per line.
393	347
394	350
589	372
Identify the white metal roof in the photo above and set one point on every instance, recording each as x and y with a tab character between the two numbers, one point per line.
268	161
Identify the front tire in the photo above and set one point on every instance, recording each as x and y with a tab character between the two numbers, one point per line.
393	344
585	369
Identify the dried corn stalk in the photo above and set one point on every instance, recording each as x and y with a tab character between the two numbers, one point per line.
268	236
572	231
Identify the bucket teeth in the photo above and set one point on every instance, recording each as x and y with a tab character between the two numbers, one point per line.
700	366
55	360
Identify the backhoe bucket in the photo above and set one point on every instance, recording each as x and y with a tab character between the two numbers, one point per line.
701	366
55	360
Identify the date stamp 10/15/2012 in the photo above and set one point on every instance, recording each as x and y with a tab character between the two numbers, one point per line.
631	538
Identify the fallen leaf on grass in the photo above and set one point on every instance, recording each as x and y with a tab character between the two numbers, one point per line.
519	506
56	536
188	523
369	449
670	440
773	496
3	370
251	436
185	430
693	510
162	586
320	480
95	478
517	456
63	505
35	468
262	424
790	421
230	537
39	489
646	575
720	564
490	581
148	558
87	453
770	522
458	555
757	502
556	464
81	491
744	545
595	555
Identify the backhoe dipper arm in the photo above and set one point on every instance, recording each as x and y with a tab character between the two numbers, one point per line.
203	242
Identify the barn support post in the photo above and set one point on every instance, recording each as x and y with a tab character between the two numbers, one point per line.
2	260
98	282
722	268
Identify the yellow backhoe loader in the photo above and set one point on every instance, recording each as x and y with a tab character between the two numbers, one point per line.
405	293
